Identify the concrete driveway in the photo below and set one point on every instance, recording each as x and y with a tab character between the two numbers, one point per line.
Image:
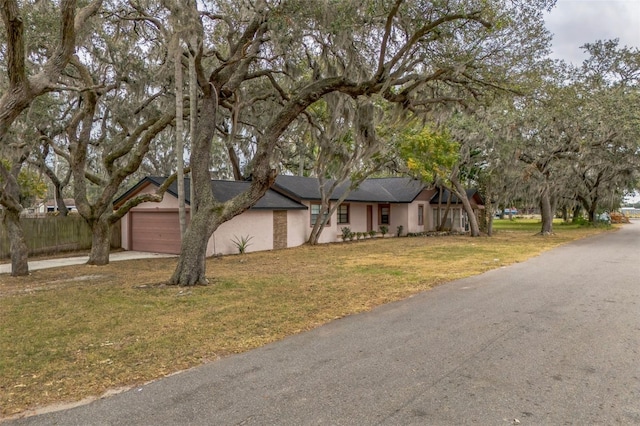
79	260
551	341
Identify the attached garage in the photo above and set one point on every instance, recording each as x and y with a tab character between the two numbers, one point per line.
155	226
155	231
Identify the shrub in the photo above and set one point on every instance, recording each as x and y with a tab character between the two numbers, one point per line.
372	233
346	233
399	231
242	243
384	229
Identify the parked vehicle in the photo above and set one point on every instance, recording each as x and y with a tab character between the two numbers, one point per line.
508	211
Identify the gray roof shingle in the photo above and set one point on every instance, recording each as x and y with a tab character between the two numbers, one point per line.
454	199
376	190
223	190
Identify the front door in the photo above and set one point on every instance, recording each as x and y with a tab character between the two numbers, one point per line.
369	218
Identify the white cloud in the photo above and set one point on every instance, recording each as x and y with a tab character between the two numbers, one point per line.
576	22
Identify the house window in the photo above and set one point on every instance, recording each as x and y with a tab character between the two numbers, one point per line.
383	214
343	213
420	214
315	213
436	218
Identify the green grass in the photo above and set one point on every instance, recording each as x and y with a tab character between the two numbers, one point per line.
72	332
534	225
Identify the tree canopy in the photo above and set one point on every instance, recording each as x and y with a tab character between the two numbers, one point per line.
461	89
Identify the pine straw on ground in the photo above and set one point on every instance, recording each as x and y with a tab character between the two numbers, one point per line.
72	332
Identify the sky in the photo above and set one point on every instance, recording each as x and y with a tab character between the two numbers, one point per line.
576	22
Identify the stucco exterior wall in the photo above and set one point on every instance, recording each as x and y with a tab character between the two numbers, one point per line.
297	222
257	224
358	218
399	215
412	217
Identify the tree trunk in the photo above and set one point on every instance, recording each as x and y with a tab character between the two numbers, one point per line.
490	225
576	213
18	245
62	207
191	266
100	242
474	230
488	211
182	216
483	221
321	221
592	213
193	111
447	209
546	213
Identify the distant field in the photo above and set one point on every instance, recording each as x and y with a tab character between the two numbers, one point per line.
529	223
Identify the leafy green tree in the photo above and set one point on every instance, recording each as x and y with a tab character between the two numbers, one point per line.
607	165
276	60
347	148
437	157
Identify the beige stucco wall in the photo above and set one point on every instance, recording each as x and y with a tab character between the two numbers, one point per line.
399	214
257	224
297	227
358	217
412	217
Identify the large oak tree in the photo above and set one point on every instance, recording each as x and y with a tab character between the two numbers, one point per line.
278	59
31	71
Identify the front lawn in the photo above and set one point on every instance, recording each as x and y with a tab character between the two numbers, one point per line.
78	331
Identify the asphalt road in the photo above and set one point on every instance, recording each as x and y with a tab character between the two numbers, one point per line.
552	341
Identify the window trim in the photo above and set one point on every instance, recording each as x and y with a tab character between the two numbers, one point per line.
380	207
311	221
420	214
348	207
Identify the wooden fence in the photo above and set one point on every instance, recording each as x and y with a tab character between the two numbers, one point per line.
54	234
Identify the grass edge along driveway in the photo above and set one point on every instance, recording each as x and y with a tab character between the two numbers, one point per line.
75	332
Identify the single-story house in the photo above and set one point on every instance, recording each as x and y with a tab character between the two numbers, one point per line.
155	227
390	202
284	217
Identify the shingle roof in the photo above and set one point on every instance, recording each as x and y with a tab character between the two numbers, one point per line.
377	190
454	199
223	190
